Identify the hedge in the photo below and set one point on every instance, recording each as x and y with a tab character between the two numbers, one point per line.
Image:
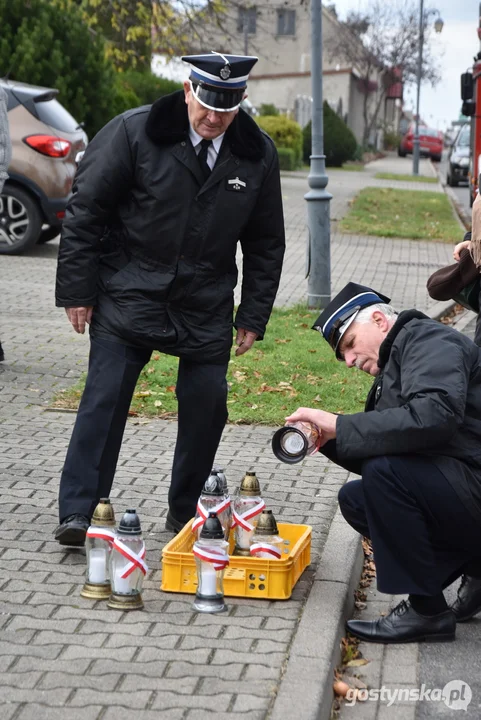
284	132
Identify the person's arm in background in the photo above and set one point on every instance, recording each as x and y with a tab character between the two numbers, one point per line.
5	145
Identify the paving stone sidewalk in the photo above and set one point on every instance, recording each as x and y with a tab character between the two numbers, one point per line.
62	656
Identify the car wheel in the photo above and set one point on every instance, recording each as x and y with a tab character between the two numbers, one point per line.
436	158
401	153
49	233
451	181
20	221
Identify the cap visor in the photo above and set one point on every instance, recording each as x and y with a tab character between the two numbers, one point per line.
342	330
218	100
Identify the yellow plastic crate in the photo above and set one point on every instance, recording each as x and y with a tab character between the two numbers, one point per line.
245	576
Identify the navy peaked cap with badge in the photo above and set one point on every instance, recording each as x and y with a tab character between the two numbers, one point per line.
334	320
218	81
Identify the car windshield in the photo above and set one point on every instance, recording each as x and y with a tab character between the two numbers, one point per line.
428	132
463	137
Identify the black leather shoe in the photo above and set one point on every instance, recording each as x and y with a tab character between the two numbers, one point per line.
172	525
403	625
468	602
72	530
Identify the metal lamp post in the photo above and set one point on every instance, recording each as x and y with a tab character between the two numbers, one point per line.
438	26
318	220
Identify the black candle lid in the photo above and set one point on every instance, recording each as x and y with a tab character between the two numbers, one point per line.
213	485
130	523
212	529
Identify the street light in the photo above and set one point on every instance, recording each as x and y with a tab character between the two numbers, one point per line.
318	221
438	26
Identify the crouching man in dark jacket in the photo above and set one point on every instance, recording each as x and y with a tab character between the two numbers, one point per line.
417	448
147	258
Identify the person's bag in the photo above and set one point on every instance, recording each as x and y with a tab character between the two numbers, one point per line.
459	282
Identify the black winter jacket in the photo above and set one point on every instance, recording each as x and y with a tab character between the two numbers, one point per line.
426	400
152	247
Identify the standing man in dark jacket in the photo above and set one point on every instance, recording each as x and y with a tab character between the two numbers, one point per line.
417	447
147	258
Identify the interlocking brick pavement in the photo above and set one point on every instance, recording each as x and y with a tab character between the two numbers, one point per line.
62	656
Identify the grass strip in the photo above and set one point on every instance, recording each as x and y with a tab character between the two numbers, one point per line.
292	367
405	178
413	214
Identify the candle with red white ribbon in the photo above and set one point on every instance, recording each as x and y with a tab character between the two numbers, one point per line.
247	506
266	542
127	564
213	499
98	543
211	559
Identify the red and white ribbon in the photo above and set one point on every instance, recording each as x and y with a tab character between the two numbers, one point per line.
242	518
216	556
101	533
265	548
136	560
204	514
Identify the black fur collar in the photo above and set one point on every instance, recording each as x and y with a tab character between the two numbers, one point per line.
168	123
402	319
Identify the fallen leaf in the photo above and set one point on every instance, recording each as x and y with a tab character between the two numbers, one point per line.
143	393
150	370
357	663
156	357
312	351
158	403
170	388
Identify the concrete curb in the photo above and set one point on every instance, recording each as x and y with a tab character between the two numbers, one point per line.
306	687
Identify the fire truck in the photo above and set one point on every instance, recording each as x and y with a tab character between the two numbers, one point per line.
471	97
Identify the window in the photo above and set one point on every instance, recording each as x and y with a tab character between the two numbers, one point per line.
286	22
246	21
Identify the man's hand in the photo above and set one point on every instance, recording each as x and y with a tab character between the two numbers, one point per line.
460	246
78	316
324	421
244	340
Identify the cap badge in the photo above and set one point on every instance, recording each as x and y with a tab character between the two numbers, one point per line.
225	72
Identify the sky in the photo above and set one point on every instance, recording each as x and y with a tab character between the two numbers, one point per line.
454	48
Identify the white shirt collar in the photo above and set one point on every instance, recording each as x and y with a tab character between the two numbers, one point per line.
195	139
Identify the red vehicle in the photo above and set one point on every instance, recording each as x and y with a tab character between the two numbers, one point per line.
431	142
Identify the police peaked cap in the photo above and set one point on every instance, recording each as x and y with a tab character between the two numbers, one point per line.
334	320
218	81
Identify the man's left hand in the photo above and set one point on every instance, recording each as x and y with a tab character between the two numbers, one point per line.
324	421
244	340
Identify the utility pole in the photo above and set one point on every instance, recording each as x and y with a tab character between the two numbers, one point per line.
246	33
418	89
318	209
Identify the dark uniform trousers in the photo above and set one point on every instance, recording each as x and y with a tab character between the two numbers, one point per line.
97	436
421	533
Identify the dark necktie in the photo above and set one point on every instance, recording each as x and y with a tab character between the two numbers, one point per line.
202	157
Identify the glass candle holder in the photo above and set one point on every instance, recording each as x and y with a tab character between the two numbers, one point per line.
127	564
98	545
211	559
292	443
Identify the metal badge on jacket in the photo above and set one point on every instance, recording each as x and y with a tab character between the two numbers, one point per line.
236	185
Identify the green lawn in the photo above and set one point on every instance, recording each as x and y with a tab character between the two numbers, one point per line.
292	367
415	214
405	178
350	167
